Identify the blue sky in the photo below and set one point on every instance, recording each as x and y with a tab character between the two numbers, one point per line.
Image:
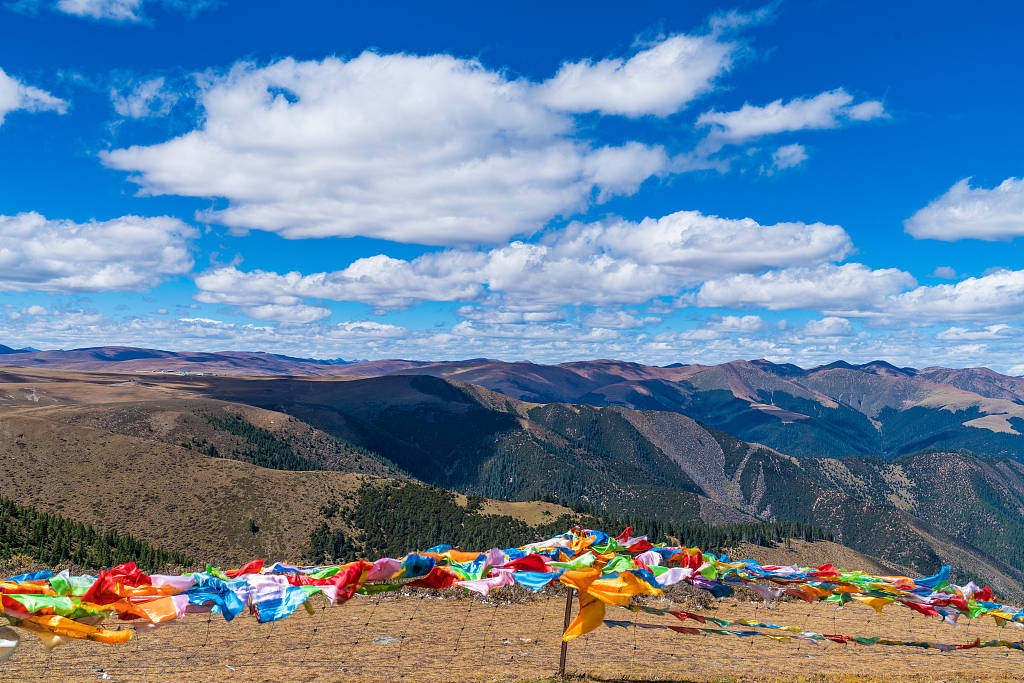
679	182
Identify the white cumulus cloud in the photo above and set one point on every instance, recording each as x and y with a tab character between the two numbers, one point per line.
788	156
661	79
430	150
829	109
507	316
997	331
127	10
827	327
115	10
716	328
944	272
602	264
828	287
144	99
15	95
296	313
964	212
994	297
737	323
126	253
705	246
378	280
616	320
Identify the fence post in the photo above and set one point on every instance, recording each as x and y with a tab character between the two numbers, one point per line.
565	625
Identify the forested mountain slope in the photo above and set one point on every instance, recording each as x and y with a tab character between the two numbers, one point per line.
833	410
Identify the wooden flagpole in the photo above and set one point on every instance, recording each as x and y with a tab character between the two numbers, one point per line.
565	625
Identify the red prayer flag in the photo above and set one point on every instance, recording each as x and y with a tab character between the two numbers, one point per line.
985	595
683	616
437	578
640	546
685	629
530	563
104	589
254	567
347	580
968	646
923	609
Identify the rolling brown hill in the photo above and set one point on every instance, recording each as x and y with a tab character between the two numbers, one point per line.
131	456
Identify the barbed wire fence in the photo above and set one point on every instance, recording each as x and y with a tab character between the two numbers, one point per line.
512	634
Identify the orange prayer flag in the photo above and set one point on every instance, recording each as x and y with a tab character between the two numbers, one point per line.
62	626
154	611
580	579
590	616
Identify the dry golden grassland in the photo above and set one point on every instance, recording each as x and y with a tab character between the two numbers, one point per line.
426	637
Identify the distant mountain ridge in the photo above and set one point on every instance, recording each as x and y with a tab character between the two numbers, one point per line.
8	349
837	409
136	359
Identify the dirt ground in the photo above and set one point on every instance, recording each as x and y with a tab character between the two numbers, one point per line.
424	637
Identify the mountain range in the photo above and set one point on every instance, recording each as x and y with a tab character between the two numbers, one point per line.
837	409
832	410
208	455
